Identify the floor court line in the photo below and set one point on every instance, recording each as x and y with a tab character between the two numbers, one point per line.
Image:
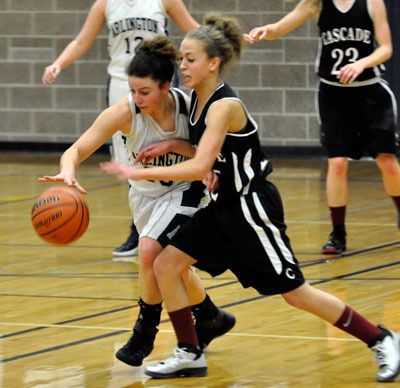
222	285
114	328
91	339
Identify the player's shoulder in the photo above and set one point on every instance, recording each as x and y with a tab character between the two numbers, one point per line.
183	98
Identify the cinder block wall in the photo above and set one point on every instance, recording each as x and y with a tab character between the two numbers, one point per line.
275	79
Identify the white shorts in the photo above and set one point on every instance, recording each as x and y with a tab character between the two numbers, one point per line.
161	217
118	89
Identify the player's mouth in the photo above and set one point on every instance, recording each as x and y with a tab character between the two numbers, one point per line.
186	78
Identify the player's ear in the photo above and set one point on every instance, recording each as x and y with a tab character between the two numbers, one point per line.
164	87
214	64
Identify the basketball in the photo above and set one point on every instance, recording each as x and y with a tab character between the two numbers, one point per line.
60	215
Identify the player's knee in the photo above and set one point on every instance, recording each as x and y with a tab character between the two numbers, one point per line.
294	300
147	254
338	166
163	267
146	260
388	164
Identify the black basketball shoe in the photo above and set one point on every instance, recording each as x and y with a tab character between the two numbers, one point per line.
130	246
139	345
207	331
336	244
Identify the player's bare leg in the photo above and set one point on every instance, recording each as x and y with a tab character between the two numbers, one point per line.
385	343
390	169
211	321
337	196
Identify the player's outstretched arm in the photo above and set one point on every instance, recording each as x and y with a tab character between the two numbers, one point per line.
80	45
294	19
222	117
116	117
179	146
178	12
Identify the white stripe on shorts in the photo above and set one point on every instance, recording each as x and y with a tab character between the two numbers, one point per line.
269	249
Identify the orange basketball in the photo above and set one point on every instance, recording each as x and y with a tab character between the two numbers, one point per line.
60	215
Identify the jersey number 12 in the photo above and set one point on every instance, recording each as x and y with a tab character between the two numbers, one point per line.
137	40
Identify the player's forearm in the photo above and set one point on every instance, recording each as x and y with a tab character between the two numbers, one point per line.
70	160
189	170
74	51
380	55
182	147
292	20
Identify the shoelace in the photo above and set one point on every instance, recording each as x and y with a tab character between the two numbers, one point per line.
380	355
179	354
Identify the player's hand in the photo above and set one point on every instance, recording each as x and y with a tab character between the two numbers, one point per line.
211	182
70	180
257	34
350	72
248	39
152	151
50	74
120	171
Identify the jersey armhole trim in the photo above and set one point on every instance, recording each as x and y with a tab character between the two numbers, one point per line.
134	110
246	112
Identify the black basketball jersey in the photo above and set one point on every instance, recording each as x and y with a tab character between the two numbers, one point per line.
241	164
345	37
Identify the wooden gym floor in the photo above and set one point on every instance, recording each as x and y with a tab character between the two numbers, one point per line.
65	310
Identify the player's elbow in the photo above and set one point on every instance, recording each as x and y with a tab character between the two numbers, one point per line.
389	52
201	172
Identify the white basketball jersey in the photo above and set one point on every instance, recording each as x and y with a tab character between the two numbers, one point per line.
145	131
129	23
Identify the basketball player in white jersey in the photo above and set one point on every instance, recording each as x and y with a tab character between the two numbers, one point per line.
357	109
129	23
153	112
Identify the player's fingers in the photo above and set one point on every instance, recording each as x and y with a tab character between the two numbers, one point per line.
46	81
257	34
139	156
79	188
48	178
248	38
43	179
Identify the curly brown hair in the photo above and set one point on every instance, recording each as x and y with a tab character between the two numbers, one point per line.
155	59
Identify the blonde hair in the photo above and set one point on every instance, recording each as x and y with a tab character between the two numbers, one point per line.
221	36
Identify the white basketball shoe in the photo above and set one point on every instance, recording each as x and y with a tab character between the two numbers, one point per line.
183	363
387	355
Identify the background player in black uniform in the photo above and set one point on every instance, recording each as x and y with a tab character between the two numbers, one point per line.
243	228
357	109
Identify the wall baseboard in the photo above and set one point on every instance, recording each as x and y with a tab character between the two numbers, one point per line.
287	152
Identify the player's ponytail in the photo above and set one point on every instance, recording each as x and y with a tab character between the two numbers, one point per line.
155	59
222	37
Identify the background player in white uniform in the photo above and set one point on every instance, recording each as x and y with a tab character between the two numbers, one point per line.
151	113
357	109
243	229
129	23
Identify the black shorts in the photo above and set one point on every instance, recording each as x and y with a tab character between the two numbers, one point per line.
357	121
246	236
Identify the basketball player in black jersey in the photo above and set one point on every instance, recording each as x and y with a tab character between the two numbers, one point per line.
357	109
243	228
